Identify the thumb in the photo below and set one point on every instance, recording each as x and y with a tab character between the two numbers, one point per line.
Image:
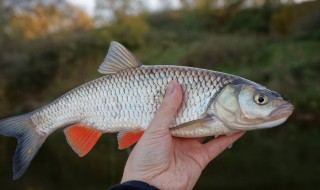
165	115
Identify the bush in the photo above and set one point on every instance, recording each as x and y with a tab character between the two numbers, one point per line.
250	20
130	31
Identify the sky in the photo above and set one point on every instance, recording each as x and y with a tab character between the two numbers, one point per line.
152	5
87	5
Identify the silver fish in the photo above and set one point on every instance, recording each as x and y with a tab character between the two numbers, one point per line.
127	97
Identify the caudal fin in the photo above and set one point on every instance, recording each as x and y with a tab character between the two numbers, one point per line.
29	142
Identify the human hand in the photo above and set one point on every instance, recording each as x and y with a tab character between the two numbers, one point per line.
168	162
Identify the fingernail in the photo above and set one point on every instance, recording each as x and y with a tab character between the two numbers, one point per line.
170	88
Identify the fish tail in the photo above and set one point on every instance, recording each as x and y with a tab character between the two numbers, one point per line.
29	142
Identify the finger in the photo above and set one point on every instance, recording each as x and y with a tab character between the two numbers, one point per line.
201	139
165	115
218	145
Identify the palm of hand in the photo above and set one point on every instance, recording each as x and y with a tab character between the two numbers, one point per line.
168	162
172	163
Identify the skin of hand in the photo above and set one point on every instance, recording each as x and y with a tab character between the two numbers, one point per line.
168	162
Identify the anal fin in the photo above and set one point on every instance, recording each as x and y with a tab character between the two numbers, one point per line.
128	138
82	138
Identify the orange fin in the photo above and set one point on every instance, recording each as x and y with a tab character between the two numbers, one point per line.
82	138
128	138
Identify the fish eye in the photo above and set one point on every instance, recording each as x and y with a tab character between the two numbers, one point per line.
261	99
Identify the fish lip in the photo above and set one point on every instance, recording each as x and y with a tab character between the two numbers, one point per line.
283	111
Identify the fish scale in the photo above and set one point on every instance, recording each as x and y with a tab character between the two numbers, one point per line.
103	104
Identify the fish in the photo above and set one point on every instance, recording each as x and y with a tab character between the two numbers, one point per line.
126	98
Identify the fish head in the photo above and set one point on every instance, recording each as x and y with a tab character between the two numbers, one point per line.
251	106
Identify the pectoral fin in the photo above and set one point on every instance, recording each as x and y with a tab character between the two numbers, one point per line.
203	122
196	128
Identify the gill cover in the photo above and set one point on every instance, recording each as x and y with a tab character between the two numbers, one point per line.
248	106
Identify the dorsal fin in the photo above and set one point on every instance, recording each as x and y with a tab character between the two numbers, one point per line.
118	58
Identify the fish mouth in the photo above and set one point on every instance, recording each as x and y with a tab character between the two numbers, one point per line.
283	111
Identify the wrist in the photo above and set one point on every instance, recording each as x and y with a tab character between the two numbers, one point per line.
143	180
134	185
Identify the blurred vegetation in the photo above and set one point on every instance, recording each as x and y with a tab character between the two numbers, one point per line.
46	50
